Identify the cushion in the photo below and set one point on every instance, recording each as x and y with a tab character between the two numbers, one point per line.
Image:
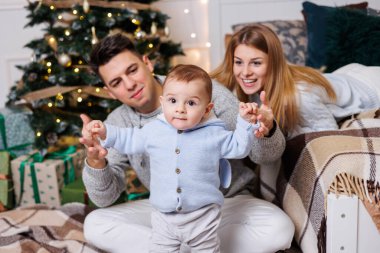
315	18
292	34
373	12
352	36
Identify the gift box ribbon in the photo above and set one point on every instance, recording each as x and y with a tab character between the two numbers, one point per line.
69	174
4	139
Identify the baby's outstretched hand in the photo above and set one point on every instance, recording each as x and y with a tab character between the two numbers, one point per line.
92	132
97	129
95	152
248	111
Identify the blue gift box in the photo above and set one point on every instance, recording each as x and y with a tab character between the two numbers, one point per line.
16	134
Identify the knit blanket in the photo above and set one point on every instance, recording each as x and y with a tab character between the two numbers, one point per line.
345	161
44	229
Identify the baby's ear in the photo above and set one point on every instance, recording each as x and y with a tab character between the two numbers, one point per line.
209	108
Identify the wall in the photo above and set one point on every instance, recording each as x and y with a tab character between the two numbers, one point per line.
208	19
14	37
189	25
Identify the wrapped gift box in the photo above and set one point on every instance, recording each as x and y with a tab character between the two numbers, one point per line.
135	189
76	192
16	132
43	181
6	185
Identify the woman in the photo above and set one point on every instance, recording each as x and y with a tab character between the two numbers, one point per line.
302	99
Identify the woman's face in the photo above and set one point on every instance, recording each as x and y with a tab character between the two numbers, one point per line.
250	68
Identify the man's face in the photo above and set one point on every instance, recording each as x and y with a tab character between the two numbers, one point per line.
129	79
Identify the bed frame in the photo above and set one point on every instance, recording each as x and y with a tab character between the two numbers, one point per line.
349	226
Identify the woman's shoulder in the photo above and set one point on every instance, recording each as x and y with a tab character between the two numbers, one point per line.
220	92
218	87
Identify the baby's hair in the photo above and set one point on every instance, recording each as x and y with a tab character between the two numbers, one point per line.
189	72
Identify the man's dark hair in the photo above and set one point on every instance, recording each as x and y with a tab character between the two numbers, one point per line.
109	47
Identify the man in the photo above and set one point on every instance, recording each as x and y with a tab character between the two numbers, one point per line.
248	224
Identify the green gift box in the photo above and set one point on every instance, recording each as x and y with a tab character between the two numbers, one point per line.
6	184
16	134
40	179
76	192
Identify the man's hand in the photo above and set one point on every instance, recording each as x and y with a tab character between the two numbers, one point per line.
95	152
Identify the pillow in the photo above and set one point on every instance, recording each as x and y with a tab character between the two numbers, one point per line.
292	34
352	36
315	18
373	12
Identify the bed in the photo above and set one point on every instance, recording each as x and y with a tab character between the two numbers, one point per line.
331	192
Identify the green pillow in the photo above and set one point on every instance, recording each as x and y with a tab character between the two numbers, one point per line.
316	22
352	36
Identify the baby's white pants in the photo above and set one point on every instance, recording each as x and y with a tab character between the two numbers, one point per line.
198	229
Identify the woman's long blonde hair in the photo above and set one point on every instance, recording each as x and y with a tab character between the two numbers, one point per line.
281	77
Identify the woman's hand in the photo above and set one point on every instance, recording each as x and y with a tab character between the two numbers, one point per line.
265	116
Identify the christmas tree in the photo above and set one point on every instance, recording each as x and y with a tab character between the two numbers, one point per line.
58	84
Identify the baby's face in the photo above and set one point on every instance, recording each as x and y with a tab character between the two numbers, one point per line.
185	104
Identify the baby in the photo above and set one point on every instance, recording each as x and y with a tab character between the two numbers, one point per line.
186	145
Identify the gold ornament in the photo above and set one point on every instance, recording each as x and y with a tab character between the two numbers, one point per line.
167	31
64	60
86	6
94	39
52	42
153	28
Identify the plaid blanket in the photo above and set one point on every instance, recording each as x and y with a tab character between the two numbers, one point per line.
346	161
43	229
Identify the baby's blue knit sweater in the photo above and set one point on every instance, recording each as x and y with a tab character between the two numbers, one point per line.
184	164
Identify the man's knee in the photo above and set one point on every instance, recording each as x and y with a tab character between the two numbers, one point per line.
90	230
